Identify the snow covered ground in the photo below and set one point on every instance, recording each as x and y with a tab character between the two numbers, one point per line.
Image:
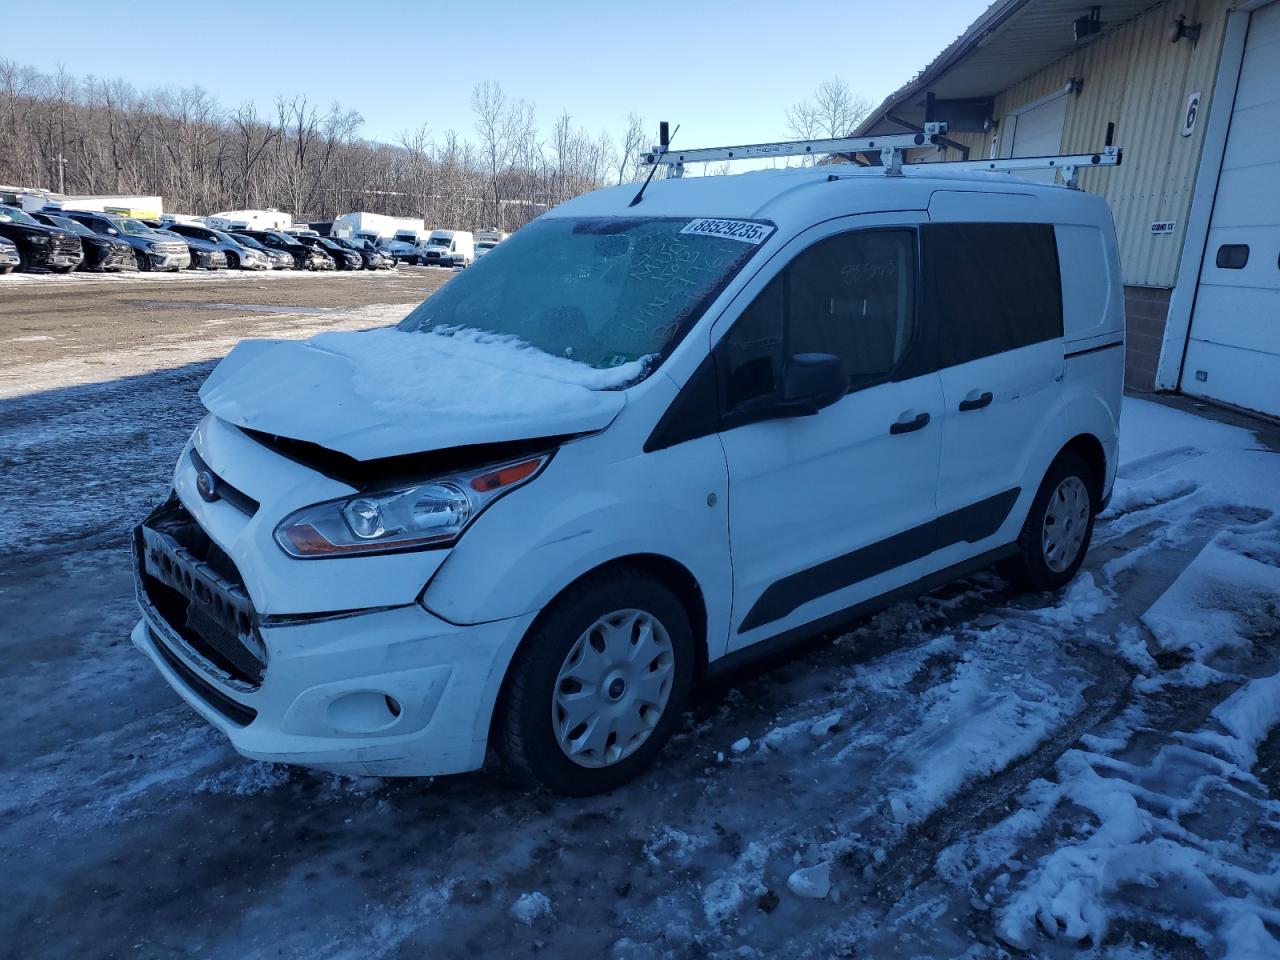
976	774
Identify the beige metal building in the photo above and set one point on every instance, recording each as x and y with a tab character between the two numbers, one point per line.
1191	91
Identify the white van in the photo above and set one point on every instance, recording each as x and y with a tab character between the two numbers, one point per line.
633	445
403	246
448	248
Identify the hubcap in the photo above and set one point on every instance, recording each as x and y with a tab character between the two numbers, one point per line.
1065	523
613	688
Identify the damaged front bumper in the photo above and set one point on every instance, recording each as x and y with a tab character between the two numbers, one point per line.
393	691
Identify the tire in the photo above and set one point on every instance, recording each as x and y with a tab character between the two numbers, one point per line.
143	261
594	628
233	262
1059	526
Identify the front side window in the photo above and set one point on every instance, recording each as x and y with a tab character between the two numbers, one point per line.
992	287
603	291
851	295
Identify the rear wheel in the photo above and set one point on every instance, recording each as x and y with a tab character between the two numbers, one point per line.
598	687
1059	526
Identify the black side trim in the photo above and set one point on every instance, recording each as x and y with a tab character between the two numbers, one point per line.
236	712
866	608
972	523
1088	350
695	412
225	491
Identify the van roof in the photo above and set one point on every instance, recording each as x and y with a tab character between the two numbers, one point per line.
798	196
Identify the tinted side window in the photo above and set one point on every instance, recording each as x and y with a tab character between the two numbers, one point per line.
852	295
992	287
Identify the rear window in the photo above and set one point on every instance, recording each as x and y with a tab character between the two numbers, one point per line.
991	287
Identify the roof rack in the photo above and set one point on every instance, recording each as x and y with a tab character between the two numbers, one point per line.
890	148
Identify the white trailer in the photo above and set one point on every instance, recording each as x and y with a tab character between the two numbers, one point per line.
375	226
250	220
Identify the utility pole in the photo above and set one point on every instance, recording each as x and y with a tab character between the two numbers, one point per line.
61	161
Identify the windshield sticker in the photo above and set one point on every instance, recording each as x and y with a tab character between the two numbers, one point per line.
744	230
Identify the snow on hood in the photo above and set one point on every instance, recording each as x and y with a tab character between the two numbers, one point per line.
386	392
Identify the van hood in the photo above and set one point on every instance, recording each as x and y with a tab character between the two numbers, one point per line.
387	392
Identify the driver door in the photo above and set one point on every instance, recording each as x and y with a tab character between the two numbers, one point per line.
834	508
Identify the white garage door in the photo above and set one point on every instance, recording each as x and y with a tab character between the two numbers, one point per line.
1233	353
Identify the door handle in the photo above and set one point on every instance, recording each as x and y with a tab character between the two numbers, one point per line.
908	426
975	403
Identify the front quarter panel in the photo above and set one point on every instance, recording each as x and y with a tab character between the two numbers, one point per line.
600	499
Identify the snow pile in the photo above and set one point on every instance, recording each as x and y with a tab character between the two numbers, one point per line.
530	907
1213	603
468	373
1083	601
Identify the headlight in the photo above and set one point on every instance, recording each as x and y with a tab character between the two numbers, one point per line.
39	240
417	516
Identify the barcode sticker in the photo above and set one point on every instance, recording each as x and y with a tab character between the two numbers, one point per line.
745	230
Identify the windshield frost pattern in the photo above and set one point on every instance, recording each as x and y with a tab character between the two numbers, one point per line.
604	292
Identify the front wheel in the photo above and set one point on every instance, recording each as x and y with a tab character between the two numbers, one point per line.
598	686
142	260
1059	526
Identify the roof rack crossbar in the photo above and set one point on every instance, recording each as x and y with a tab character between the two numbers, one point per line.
890	148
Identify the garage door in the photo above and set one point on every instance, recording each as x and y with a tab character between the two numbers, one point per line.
1233	353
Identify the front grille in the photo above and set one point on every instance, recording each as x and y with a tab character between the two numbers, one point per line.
170	248
65	245
195	588
119	256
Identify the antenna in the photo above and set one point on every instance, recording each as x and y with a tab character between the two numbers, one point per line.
664	143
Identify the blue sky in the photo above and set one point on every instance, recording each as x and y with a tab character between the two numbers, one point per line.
726	71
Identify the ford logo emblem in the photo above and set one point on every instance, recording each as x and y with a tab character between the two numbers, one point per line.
207	485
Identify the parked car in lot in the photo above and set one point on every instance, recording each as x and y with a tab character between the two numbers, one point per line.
343	259
448	248
276	259
304	257
237	256
151	250
101	253
507	523
370	256
483	247
9	259
40	246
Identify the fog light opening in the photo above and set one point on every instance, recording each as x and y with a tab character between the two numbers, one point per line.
393	705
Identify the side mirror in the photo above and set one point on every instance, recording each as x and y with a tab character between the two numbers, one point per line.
811	381
112	231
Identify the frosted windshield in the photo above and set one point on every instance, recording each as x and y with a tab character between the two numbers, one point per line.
602	291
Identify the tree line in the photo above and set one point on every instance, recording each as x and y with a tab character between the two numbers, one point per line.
104	136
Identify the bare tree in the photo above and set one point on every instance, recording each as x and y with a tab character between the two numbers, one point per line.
832	111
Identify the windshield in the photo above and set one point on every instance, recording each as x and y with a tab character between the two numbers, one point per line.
224	237
284	239
407	237
14	215
246	241
439	241
603	291
130	225
75	226
485	245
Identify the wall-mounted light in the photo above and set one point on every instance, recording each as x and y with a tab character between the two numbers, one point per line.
1180	29
1089	24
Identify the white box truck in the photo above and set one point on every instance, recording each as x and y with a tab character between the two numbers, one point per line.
374	227
250	220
